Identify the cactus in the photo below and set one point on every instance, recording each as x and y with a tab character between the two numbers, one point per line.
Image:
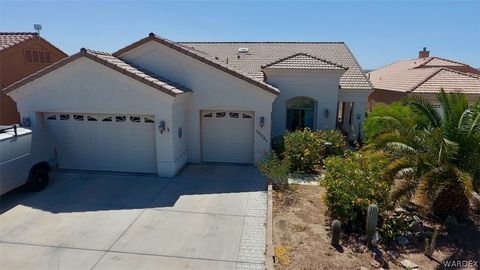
336	230
371	224
430	246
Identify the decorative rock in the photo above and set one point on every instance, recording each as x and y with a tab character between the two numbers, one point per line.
402	240
420	234
363	268
475	201
409	265
400	210
417	219
376	239
415	226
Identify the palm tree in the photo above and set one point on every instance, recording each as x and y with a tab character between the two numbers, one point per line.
437	156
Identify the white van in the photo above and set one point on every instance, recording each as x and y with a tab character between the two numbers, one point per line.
26	157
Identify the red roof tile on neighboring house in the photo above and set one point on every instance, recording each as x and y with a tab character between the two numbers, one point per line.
8	39
11	39
451	81
426	75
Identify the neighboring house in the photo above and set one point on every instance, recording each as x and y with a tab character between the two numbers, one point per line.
156	104
22	54
423	76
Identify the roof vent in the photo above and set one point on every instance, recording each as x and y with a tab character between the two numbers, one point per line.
243	50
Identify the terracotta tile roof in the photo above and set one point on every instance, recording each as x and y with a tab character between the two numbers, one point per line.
10	39
425	75
450	81
440	62
402	81
263	53
200	56
110	61
303	61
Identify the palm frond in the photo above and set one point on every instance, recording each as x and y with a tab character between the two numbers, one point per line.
424	108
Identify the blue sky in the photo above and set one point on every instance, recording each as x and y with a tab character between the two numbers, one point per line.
378	32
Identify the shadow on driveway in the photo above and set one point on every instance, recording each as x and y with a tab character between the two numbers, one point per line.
78	191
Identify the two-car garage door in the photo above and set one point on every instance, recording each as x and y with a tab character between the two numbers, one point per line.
104	142
227	136
126	143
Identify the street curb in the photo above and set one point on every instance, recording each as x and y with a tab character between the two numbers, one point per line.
270	253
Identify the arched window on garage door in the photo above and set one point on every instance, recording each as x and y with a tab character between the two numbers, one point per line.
300	113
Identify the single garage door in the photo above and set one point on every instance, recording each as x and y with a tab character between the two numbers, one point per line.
227	136
104	142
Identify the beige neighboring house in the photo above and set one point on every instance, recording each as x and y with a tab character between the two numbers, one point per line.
423	76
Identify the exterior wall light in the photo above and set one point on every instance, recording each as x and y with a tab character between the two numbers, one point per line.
327	113
162	127
262	121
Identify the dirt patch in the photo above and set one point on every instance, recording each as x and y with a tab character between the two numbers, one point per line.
301	234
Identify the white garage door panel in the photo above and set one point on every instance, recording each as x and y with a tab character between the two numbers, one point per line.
120	144
227	136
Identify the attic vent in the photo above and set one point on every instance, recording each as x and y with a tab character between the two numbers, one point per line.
243	50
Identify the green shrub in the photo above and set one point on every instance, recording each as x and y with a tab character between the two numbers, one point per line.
275	170
338	142
355	182
304	149
393	226
379	119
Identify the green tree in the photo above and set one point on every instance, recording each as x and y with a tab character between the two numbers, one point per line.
436	156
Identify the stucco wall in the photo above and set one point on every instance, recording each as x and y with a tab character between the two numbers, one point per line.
86	86
13	68
360	100
320	85
212	89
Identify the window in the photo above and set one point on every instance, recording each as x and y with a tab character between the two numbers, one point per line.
246	116
91	118
107	119
64	116
120	118
300	113
78	117
135	119
208	115
220	114
149	120
52	117
34	56
234	115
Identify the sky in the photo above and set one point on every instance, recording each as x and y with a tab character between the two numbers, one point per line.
377	32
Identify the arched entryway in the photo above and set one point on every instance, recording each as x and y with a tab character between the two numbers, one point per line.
300	113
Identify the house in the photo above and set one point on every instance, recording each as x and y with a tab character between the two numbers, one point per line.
22	54
156	104
423	76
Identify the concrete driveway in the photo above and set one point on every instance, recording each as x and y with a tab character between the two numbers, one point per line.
208	217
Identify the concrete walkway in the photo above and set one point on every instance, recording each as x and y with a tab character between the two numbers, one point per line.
208	217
